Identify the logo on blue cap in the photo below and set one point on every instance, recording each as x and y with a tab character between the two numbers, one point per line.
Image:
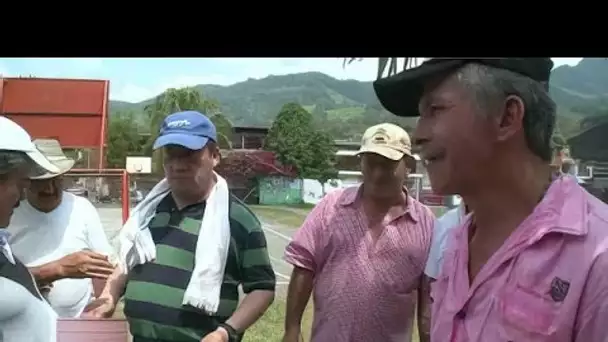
189	129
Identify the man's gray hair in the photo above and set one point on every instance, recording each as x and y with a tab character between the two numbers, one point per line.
490	86
11	160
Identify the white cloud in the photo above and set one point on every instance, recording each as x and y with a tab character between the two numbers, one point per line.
87	63
130	93
364	70
241	69
558	61
3	70
135	93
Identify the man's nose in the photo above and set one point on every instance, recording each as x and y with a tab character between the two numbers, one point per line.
177	167
418	143
48	187
379	173
420	136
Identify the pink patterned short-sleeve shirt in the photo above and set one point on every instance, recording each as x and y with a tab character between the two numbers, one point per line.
362	291
547	283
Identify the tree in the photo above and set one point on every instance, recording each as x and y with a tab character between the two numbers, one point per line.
171	101
123	139
320	113
297	143
224	131
557	139
323	165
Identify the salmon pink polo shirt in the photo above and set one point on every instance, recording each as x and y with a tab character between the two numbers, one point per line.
548	282
362	291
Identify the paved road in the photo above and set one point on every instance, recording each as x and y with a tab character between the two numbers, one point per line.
276	235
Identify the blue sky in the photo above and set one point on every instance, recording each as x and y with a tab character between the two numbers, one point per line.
137	79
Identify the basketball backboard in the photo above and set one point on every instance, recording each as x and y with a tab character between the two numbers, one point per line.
139	164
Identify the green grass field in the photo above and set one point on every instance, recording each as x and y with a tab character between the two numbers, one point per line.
286	216
270	327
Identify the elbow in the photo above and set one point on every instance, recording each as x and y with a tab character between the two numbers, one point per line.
303	276
303	271
266	295
301	281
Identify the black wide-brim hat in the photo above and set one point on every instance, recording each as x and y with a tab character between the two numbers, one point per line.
400	93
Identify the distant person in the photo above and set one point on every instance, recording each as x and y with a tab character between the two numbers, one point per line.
362	252
60	238
188	246
569	167
24	314
529	263
443	227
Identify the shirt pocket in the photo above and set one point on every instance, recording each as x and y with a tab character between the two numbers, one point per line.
398	267
525	315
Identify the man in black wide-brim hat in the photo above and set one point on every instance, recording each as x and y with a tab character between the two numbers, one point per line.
529	263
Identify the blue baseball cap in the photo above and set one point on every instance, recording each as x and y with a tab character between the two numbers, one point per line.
189	129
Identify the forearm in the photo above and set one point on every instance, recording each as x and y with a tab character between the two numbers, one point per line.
115	285
424	309
298	294
251	309
47	273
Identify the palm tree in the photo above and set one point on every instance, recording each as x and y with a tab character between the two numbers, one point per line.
392	63
224	131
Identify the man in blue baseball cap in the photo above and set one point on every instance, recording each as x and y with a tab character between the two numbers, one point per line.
188	246
190	152
190	129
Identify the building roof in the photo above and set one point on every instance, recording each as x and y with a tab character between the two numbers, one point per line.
243	129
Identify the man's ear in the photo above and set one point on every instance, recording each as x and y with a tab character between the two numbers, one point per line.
217	157
512	119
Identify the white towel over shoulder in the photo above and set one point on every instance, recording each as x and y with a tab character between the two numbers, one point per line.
137	247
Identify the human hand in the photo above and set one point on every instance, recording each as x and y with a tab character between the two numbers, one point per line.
100	308
85	264
219	335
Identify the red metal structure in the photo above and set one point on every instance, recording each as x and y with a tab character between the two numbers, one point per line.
73	111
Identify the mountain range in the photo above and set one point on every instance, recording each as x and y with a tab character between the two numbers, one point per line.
346	107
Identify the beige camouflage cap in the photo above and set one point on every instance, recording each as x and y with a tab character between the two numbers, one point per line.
387	140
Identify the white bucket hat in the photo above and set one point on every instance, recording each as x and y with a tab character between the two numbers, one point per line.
14	138
52	151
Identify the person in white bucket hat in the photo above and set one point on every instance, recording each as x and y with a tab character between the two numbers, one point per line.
24	314
60	238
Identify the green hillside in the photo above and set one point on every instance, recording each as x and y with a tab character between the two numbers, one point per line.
346	107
